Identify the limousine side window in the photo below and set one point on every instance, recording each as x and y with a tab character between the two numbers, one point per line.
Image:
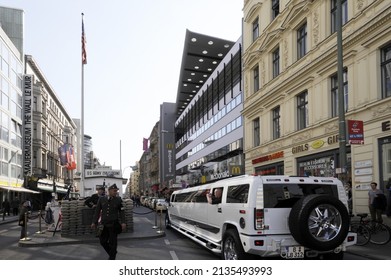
238	194
184	197
217	196
200	197
286	195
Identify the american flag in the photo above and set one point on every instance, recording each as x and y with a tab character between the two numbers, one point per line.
83	44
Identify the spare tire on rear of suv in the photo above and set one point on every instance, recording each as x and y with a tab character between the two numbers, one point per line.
319	222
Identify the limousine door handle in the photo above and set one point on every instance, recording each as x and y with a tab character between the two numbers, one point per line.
219	209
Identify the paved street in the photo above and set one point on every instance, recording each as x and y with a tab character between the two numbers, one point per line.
144	243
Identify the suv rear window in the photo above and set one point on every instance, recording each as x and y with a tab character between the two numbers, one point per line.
286	195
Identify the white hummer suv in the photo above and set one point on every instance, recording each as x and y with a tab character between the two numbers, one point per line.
293	217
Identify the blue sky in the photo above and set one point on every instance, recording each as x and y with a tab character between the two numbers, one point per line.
134	52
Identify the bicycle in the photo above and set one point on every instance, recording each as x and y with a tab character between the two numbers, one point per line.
362	231
379	233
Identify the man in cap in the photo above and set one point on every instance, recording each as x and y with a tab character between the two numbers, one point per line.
93	199
112	218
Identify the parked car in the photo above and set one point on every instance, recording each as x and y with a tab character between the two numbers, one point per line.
161	204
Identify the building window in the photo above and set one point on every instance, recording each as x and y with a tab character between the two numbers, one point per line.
276	62
256	78
256	133
386	71
275	8
344	4
302	110
334	93
276	122
302	41
255	29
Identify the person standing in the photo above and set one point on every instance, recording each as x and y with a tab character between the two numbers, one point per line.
23	218
112	213
92	201
374	203
6	207
15	206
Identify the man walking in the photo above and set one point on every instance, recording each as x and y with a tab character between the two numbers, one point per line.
112	214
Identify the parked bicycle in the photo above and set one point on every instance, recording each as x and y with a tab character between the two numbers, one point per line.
362	231
370	231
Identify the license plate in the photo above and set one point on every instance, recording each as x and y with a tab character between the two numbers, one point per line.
295	252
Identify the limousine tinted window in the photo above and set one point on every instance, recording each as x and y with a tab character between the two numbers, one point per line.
238	194
286	195
184	197
200	197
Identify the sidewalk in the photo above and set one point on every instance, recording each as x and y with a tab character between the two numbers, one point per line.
372	251
142	229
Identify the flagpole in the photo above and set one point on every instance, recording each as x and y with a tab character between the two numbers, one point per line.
83	62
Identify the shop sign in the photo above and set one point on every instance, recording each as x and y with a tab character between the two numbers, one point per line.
268	157
27	123
317	144
363	164
235	170
300	148
356	132
363	171
220	175
385	126
363	179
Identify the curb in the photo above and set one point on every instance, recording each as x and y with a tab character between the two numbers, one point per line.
47	242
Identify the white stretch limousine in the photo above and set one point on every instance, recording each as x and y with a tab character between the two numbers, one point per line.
294	217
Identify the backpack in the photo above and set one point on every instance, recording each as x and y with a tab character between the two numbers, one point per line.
380	202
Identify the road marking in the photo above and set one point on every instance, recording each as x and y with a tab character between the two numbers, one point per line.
173	255
167	242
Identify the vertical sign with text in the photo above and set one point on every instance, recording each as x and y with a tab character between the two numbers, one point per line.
27	123
356	132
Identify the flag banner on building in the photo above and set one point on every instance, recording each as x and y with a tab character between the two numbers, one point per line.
63	155
145	144
67	156
71	162
83	43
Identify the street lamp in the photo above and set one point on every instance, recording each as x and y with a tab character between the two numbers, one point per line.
341	97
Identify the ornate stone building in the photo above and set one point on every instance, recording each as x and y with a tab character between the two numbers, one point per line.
291	90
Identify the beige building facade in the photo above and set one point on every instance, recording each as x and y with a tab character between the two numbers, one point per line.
291	90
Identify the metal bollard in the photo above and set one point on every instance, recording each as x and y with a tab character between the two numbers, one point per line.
160	224
26	238
40	223
155	226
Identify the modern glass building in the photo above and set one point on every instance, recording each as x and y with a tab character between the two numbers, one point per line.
208	126
11	102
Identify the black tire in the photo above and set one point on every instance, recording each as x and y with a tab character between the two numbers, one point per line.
167	221
232	248
380	233
319	222
362	231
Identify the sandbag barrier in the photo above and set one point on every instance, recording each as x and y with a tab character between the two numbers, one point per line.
77	218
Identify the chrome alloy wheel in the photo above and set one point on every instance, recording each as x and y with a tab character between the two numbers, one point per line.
324	222
229	249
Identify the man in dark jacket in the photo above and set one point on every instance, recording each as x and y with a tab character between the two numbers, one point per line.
92	201
112	213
